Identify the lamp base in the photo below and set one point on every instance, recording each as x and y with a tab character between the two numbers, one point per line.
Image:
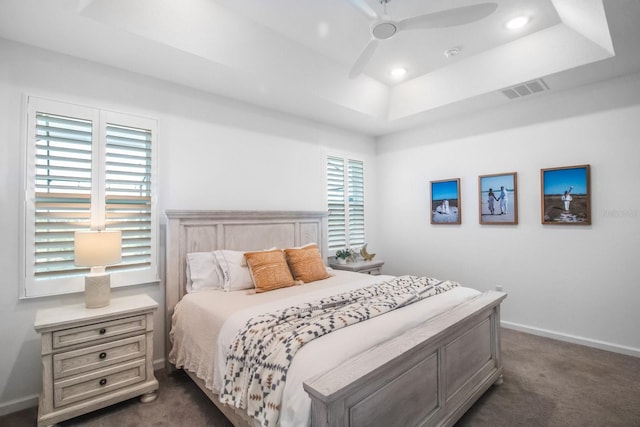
97	290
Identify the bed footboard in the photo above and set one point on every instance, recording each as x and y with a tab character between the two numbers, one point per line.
428	376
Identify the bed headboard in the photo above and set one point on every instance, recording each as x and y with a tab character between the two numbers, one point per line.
204	230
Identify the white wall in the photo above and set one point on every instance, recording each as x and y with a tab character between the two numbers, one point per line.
214	153
577	282
580	283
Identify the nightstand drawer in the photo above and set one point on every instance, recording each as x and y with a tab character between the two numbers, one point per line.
97	331
99	356
87	386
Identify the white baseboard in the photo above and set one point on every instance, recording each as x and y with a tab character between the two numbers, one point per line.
158	364
18	404
602	345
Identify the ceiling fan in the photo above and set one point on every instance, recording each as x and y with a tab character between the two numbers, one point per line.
383	28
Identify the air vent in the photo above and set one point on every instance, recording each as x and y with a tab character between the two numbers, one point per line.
524	89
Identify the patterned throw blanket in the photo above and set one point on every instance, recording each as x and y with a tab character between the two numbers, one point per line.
260	356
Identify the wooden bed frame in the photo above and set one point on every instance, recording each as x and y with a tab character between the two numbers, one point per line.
429	376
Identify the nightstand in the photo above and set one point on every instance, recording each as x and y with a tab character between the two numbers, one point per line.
95	357
367	267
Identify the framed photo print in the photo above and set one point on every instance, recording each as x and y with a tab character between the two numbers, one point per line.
498	198
566	195
445	202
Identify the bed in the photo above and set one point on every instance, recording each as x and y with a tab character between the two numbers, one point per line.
425	373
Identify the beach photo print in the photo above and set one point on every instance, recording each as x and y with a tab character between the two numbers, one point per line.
445	201
498	198
566	195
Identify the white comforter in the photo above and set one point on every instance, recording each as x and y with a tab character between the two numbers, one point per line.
205	324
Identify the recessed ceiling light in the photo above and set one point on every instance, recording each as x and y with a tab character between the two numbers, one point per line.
517	22
323	29
396	73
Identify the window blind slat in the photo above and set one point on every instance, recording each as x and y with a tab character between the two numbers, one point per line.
77	130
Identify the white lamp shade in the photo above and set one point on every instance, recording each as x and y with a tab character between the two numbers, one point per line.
97	248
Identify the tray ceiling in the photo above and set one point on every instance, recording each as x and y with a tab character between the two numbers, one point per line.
295	55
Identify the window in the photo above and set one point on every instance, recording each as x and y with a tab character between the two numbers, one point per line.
345	196
87	169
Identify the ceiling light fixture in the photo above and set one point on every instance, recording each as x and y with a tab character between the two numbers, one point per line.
396	73
517	22
323	29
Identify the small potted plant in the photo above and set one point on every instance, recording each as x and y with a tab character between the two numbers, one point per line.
342	255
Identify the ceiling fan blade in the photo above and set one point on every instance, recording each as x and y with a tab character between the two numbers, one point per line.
364	8
449	18
363	59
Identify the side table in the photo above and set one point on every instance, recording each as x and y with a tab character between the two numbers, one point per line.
95	357
372	267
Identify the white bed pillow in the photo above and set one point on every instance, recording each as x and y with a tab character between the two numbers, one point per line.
203	272
234	270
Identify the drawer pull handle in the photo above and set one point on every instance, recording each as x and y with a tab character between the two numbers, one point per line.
103	331
103	355
103	381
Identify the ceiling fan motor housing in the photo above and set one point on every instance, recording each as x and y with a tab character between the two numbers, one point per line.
384	30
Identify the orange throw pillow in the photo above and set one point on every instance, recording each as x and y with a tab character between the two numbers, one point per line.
306	263
269	270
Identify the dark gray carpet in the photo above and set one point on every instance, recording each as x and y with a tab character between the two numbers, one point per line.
546	383
554	383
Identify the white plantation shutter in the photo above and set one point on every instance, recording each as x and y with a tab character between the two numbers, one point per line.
345	202
337	234
86	169
356	203
128	193
62	199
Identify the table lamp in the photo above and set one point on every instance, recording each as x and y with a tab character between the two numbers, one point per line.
97	249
